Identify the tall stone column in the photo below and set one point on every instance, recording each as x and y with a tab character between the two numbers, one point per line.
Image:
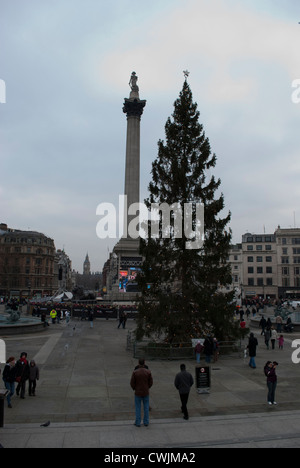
133	108
126	257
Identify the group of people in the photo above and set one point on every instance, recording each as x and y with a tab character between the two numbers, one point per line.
15	375
209	347
141	382
271	333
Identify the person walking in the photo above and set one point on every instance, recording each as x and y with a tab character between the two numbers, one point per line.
273	337
34	375
141	382
183	382
22	375
252	345
263	324
124	320
121	318
267	336
9	377
270	373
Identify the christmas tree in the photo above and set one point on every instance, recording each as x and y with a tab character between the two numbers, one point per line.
180	283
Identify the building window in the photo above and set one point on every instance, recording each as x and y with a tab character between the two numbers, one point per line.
249	247
286	282
269	259
259	259
260	270
250	259
269	270
250	270
269	282
285	271
250	281
285	260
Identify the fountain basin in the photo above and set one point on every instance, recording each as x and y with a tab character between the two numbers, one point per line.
23	326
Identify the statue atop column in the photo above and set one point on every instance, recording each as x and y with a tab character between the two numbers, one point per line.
134	94
134	106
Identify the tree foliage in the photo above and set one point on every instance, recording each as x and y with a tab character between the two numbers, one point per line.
181	288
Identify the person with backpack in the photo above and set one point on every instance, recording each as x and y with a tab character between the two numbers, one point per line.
270	373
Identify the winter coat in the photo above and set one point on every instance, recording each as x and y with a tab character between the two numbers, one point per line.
34	372
141	381
22	370
183	382
208	346
253	343
9	374
270	373
199	348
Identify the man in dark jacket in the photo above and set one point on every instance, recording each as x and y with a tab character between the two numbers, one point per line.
252	345
22	374
183	382
141	382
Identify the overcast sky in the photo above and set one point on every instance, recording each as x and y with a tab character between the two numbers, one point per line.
66	65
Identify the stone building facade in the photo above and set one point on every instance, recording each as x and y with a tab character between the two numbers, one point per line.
26	263
267	265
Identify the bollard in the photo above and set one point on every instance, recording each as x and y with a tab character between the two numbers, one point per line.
3	394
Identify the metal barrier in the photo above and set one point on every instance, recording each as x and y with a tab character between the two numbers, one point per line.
151	351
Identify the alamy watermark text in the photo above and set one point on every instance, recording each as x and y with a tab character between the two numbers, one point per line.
165	221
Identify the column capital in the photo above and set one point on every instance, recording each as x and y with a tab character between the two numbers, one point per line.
134	107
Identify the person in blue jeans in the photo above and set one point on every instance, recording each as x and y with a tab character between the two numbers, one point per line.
141	382
9	377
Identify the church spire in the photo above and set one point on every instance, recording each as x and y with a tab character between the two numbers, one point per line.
87	265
